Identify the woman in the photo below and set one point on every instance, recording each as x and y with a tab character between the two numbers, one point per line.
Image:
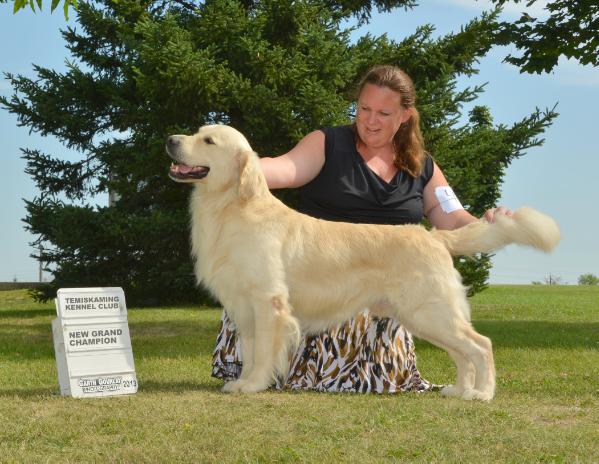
375	171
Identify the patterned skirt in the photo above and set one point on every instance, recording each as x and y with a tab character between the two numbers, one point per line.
366	354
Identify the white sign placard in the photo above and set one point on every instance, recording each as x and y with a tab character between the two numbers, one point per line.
75	303
92	343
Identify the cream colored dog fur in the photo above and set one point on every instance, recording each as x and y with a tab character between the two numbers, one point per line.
279	273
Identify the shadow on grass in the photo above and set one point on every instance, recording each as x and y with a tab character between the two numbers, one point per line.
21	393
175	339
540	334
164	339
152	386
26	313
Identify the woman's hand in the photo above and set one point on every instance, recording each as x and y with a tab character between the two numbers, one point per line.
490	213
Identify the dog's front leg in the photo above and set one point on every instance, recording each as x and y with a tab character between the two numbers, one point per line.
258	375
276	331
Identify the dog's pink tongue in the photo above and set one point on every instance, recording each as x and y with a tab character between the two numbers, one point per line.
185	169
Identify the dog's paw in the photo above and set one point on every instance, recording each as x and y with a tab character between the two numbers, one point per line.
252	387
472	394
243	386
232	387
451	390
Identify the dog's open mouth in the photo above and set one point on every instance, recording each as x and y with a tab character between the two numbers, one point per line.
184	172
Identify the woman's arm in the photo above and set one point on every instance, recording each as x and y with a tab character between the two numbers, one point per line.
298	166
458	217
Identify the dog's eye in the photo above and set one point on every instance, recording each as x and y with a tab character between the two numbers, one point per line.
209	140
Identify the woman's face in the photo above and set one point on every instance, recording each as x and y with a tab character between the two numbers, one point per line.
379	115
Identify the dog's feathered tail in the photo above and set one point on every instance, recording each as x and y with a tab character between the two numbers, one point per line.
526	227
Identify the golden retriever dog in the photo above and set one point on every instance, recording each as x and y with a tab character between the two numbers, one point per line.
280	273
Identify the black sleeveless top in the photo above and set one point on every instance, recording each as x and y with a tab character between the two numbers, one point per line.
347	190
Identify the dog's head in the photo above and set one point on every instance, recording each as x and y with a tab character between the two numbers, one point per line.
216	155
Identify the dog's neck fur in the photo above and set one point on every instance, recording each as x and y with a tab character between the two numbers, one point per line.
209	207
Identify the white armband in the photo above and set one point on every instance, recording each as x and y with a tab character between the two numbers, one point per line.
447	199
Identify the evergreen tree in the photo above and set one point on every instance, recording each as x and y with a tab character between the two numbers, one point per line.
276	70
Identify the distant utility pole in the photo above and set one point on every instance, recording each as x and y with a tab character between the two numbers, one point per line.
553	280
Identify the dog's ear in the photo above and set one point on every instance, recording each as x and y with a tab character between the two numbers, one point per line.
251	180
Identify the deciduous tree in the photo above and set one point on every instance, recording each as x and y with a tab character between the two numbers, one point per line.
588	279
571	29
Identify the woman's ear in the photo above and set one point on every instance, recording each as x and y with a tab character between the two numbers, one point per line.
250	175
407	114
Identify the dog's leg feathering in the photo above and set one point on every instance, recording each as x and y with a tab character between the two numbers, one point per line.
275	336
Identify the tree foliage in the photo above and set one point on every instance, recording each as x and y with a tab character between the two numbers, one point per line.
20	4
571	30
276	70
588	279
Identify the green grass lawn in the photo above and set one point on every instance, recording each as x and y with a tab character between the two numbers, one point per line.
546	344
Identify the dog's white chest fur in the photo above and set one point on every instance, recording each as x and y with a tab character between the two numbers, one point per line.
209	252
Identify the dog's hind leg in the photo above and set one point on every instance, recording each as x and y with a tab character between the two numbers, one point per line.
485	379
445	325
465	378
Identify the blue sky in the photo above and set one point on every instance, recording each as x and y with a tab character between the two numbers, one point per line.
557	178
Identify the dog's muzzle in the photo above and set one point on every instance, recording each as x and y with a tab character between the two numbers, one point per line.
179	171
183	172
